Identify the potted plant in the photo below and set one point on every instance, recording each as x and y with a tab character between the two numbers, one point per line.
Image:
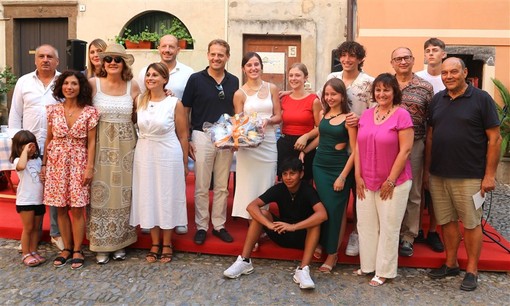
7	83
142	40
504	116
179	30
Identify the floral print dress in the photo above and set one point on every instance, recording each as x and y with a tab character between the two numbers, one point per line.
67	157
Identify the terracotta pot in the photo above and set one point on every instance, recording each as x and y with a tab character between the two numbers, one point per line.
183	44
143	44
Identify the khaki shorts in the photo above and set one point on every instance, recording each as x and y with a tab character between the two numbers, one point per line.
453	200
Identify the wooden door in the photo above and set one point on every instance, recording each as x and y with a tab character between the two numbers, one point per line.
278	53
31	33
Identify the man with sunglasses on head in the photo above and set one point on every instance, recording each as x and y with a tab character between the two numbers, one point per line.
416	97
168	49
32	93
208	95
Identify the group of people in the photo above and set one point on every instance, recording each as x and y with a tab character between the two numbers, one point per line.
123	147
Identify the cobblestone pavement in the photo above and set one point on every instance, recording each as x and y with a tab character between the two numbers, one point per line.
193	279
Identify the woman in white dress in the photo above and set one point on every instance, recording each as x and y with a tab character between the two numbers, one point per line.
256	167
160	163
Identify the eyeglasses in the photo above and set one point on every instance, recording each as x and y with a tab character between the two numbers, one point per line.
406	58
109	59
221	93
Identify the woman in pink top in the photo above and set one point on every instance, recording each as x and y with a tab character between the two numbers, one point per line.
383	179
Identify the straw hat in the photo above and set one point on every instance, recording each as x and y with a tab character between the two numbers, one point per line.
114	50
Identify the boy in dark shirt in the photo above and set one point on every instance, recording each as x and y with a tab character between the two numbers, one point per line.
297	226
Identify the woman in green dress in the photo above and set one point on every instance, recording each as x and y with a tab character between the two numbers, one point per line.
332	166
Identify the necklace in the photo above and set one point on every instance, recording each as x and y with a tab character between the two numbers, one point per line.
334	116
381	118
292	195
256	89
71	113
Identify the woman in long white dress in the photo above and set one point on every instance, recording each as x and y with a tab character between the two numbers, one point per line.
256	167
160	164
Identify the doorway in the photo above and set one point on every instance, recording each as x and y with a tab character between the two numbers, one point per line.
278	53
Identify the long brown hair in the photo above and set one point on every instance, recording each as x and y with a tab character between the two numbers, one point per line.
101	45
20	139
338	86
160	68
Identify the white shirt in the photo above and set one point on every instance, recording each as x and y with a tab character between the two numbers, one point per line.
30	187
435	80
28	106
178	78
358	93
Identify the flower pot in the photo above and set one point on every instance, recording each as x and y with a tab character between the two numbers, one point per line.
143	44
183	44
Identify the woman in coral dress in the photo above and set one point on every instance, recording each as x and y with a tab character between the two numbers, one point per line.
69	159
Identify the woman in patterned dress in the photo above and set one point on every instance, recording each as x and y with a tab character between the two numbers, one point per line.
68	160
114	92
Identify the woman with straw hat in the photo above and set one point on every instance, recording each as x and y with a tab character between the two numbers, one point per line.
114	92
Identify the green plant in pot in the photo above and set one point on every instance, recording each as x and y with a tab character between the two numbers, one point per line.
504	116
178	30
142	40
7	82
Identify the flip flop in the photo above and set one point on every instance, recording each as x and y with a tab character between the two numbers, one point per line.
376	281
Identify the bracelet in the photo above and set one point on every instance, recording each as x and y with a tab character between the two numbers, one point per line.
341	179
391	183
43	165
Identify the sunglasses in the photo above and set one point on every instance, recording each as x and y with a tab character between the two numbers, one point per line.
109	59
221	93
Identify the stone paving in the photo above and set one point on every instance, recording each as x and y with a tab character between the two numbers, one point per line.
194	279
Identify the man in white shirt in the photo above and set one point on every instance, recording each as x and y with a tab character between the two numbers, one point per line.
179	74
434	53
32	93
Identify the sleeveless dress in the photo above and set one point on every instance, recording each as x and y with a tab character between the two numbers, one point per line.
327	165
67	157
159	187
256	167
110	204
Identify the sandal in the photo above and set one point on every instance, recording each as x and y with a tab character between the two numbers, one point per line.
166	257
152	256
361	273
61	261
377	281
29	260
39	257
77	263
255	247
325	268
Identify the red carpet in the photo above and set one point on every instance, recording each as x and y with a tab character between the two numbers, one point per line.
493	257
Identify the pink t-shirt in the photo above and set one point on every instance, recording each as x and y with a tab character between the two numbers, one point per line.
378	147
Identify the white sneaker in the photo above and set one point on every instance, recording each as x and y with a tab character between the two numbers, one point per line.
302	277
238	268
181	229
353	245
58	242
102	258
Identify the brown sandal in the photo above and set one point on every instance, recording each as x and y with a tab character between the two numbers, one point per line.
152	257
166	257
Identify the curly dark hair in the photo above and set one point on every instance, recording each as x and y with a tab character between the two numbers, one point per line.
85	95
352	48
388	80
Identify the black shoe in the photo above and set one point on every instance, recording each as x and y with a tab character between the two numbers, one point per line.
223	235
420	238
443	272
200	236
406	249
470	282
434	242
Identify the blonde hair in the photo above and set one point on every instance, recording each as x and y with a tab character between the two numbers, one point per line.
101	45
144	98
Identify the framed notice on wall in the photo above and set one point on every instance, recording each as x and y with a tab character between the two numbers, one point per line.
274	62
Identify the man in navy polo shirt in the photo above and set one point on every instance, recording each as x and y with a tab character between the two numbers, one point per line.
209	94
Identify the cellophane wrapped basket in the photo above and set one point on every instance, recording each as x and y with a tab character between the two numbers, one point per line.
235	131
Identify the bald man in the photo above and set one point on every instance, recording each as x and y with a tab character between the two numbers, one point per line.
461	160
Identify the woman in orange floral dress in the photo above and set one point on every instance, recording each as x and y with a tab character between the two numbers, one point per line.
68	160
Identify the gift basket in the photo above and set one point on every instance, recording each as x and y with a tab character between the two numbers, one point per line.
235	131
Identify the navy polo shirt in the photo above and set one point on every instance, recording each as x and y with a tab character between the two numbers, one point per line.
202	96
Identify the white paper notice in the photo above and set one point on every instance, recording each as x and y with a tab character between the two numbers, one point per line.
478	199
